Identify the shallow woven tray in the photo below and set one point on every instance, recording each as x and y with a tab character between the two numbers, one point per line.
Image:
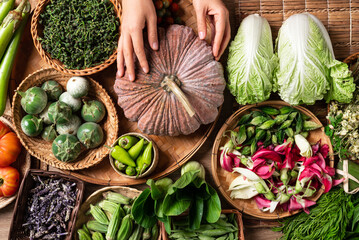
40	148
17	231
22	163
36	32
224	211
223	178
340	17
95	198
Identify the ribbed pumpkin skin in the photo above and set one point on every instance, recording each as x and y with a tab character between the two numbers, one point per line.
183	54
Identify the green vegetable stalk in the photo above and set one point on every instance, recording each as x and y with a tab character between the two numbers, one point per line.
5	7
7	61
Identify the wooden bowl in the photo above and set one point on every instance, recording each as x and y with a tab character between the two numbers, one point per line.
223	178
224	211
95	198
40	148
22	164
36	32
16	228
154	158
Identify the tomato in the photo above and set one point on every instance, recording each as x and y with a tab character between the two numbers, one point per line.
166	3
174	7
9	181
10	146
159	4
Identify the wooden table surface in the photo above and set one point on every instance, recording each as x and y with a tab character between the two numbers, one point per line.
254	229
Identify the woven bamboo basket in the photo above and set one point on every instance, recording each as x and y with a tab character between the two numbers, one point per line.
97	197
36	32
340	17
17	231
224	211
223	178
41	149
22	163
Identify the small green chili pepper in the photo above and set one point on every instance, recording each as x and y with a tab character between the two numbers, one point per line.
123	156
146	158
127	141
130	171
119	165
136	149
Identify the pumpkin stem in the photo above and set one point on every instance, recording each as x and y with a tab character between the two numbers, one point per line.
169	85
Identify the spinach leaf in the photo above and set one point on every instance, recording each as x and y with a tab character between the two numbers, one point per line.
196	213
172	207
183	181
143	210
156	191
212	206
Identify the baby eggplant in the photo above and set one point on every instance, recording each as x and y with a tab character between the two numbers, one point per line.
69	127
31	125
53	89
49	133
34	100
74	103
93	111
66	147
90	134
78	87
59	112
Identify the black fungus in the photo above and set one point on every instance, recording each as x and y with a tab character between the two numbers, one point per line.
49	208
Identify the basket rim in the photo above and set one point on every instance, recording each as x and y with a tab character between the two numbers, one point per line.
54	63
59	164
214	159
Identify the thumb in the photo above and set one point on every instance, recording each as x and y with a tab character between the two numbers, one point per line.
201	23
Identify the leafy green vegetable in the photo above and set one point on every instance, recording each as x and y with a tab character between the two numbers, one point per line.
143	209
251	61
329	219
307	69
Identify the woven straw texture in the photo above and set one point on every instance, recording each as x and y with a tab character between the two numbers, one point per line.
41	149
36	31
22	163
340	17
223	178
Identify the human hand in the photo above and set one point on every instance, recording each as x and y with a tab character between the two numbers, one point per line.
219	19
137	14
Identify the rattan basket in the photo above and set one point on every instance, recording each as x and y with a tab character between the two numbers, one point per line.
17	231
36	32
223	178
41	149
340	17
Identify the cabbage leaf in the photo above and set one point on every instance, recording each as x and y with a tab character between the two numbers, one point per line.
251	61
307	69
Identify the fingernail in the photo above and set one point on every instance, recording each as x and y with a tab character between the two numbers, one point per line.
145	69
131	77
155	45
201	35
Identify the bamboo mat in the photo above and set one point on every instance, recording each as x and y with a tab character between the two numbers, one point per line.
340	17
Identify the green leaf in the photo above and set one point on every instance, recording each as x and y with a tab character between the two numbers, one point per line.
143	210
212	207
355	220
183	181
172	207
159	208
156	191
195	214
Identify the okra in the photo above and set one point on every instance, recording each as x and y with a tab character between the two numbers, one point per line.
310	125
114	223
98	214
267	124
116	197
258	120
270	110
97	236
85	228
155	232
126	228
96	226
127	209
83	235
137	233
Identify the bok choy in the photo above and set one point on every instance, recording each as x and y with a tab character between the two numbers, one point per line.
251	61
307	69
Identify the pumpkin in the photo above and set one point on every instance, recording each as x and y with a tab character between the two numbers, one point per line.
183	89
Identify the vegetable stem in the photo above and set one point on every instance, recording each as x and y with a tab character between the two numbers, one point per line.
5	7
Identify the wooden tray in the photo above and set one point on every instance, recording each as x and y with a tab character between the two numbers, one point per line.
22	164
16	229
174	151
223	178
224	211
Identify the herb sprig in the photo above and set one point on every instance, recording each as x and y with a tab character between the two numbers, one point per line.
79	33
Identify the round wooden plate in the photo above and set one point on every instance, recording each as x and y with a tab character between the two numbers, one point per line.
223	178
22	164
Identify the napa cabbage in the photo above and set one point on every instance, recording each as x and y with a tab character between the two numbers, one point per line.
251	61
307	69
